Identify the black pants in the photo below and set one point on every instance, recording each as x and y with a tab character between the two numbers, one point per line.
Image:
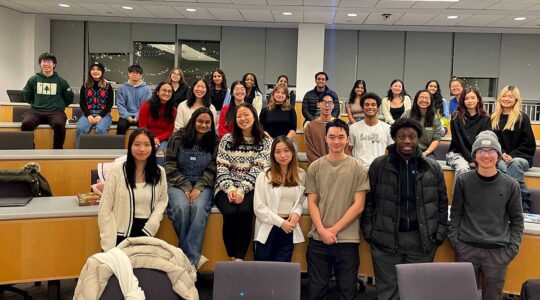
136	230
55	118
237	223
123	126
342	258
278	247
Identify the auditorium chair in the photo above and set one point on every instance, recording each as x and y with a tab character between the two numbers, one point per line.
536	158
16	140
18	112
154	283
535	201
442	149
15	96
102	141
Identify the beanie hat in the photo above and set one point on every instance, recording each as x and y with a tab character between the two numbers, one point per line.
486	139
99	65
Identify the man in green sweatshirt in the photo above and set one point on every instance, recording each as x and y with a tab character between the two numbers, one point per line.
48	94
486	220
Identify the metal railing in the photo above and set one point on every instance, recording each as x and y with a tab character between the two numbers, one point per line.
530	107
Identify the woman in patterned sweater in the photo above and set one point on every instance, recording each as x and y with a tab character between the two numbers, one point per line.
242	155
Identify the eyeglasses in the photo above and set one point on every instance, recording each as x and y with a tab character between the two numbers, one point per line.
327	103
47	61
166	92
424	98
484	152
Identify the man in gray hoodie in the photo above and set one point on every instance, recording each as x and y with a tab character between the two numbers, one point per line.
129	98
486	220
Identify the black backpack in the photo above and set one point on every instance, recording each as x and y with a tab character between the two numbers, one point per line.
27	178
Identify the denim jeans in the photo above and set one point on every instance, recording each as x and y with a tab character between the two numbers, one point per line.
102	127
189	221
160	158
515	169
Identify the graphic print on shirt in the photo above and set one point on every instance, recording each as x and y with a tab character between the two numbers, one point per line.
46	88
372	137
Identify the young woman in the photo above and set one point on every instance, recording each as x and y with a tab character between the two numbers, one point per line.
180	87
199	97
467	122
440	104
219	93
354	110
191	170
278	204
423	112
283	79
135	196
395	103
279	117
227	116
157	115
513	128
96	102
242	155
456	88
253	93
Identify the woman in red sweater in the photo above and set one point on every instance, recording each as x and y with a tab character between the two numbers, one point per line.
227	116
157	115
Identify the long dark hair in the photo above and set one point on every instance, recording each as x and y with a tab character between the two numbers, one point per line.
390	95
417	114
189	134
155	102
462	110
152	174
254	89
352	95
230	117
256	130
437	97
192	98
223	82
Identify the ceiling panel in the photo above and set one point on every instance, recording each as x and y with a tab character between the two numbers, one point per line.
473	4
217	1
377	19
180	0
227	14
331	3
435	5
103	10
326	17
395	4
296	17
511	5
342	18
17	6
257	15
441	20
479	20
136	12
509	22
357	3
412	19
164	12
534	7
284	2
255	2
200	14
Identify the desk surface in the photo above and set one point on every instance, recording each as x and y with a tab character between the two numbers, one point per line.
64	154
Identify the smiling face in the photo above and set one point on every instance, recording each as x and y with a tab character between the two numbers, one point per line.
250	81
337	139
203	123
370	108
47	66
455	88
165	92
175	76
141	147
508	100
283	155
406	142
359	89
96	73
283	80
320	81
396	88
432	87
279	96
470	102
244	118
217	78
424	100
239	92
199	90
486	158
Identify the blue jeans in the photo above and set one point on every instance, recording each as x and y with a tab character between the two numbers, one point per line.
515	169
160	158
189	221
84	127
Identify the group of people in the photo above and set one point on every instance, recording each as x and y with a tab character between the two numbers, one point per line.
247	165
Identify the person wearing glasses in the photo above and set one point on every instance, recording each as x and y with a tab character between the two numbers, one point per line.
48	95
315	131
310	106
199	97
157	115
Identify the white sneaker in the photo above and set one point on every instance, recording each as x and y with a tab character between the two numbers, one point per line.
202	261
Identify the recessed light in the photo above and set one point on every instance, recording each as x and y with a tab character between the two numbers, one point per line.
64	5
520	18
127	7
352	15
452	17
191	9
287	13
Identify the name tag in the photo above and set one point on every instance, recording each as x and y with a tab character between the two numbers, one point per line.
192	158
428	128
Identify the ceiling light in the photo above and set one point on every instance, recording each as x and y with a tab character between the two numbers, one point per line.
520	18
191	9
64	5
287	13
352	15
452	17
127	7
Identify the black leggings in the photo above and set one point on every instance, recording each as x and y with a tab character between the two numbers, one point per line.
237	223
136	230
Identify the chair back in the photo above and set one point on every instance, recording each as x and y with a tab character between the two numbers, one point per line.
536	158
154	283
102	141
18	112
442	149
256	280
15	96
441	281
16	140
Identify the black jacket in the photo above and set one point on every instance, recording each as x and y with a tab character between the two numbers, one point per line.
380	220
310	111
181	94
464	133
520	142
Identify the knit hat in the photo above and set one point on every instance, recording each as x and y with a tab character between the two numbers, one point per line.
486	139
99	65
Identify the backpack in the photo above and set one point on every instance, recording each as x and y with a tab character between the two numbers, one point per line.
530	290
29	177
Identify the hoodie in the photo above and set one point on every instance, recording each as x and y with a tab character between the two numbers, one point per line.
129	98
47	93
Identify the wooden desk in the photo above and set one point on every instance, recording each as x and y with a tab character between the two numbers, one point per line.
6	111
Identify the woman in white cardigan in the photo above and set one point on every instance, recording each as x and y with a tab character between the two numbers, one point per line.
135	195
278	204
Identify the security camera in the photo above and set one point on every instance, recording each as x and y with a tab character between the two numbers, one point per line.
386	16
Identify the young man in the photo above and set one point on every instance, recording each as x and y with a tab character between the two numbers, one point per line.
486	220
129	98
369	137
310	108
48	95
315	131
334	209
409	204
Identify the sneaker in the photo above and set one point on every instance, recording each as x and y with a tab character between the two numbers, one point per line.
201	262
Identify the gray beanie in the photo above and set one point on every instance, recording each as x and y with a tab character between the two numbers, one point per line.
486	139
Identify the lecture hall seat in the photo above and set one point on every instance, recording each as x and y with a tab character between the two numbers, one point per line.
16	140
102	141
18	112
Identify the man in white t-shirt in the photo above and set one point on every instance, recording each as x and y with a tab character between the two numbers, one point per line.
369	137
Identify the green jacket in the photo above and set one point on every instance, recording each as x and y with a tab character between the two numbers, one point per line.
47	93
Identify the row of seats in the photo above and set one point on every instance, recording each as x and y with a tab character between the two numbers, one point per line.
21	140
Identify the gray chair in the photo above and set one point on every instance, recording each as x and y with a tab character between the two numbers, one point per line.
535	201
76	112
17	140
102	141
15	96
155	284
18	112
442	149
256	280
536	158
440	281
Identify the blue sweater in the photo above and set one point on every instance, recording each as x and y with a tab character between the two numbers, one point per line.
129	99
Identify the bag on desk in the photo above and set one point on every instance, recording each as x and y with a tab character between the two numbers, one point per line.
30	177
530	290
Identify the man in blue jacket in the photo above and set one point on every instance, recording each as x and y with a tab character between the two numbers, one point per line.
310	110
129	98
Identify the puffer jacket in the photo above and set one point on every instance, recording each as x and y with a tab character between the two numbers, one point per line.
310	111
143	252
380	220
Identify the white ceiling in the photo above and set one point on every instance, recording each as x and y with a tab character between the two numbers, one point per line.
425	14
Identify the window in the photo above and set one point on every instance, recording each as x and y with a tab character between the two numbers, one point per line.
116	65
156	59
198	58
486	86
